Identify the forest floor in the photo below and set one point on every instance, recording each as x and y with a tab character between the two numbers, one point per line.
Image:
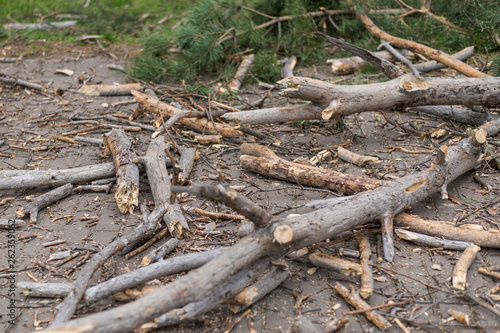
30	119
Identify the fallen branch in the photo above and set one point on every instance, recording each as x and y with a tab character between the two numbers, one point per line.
302	325
68	306
447	230
349	156
239	77
350	65
405	91
200	125
160	252
418	48
263	160
40	26
110	90
186	163
334	264
456	114
430	66
123	282
19	82
10	223
23	179
366	270
298	112
127	172
155	162
352	297
307	229
432	241
43	201
462	266
289	66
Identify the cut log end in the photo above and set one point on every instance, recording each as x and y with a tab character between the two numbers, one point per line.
127	197
283	234
479	138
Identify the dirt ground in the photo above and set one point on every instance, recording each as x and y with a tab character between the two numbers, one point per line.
30	119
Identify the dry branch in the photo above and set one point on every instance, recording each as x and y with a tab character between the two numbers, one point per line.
201	125
125	281
68	306
334	264
186	163
40	26
366	270
303	325
194	310
239	77
464	233
419	48
110	90
127	172
462	266
431	241
349	156
350	65
298	112
43	201
263	160
289	66
155	162
307	229
456	114
160	252
10	223
352	297
429	66
397	94
19	82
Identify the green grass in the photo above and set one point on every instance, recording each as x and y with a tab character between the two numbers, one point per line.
115	20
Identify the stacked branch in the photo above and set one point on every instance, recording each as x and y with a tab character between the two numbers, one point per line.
305	229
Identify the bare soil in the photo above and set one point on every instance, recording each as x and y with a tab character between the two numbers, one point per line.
31	120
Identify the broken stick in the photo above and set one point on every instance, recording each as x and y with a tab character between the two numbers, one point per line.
462	266
43	201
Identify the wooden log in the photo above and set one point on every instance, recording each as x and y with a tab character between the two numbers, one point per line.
447	230
239	77
459	279
68	306
110	90
43	201
263	160
432	241
308	229
334	264
419	48
200	125
352	297
127	172
402	92
298	112
122	282
366	270
155	162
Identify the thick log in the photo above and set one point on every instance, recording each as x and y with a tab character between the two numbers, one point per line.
23	179
396	94
263	160
127	172
201	125
43	201
448	230
68	306
307	229
155	162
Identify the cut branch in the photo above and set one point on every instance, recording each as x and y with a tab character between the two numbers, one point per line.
200	125
43	201
462	266
263	160
309	111
421	239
